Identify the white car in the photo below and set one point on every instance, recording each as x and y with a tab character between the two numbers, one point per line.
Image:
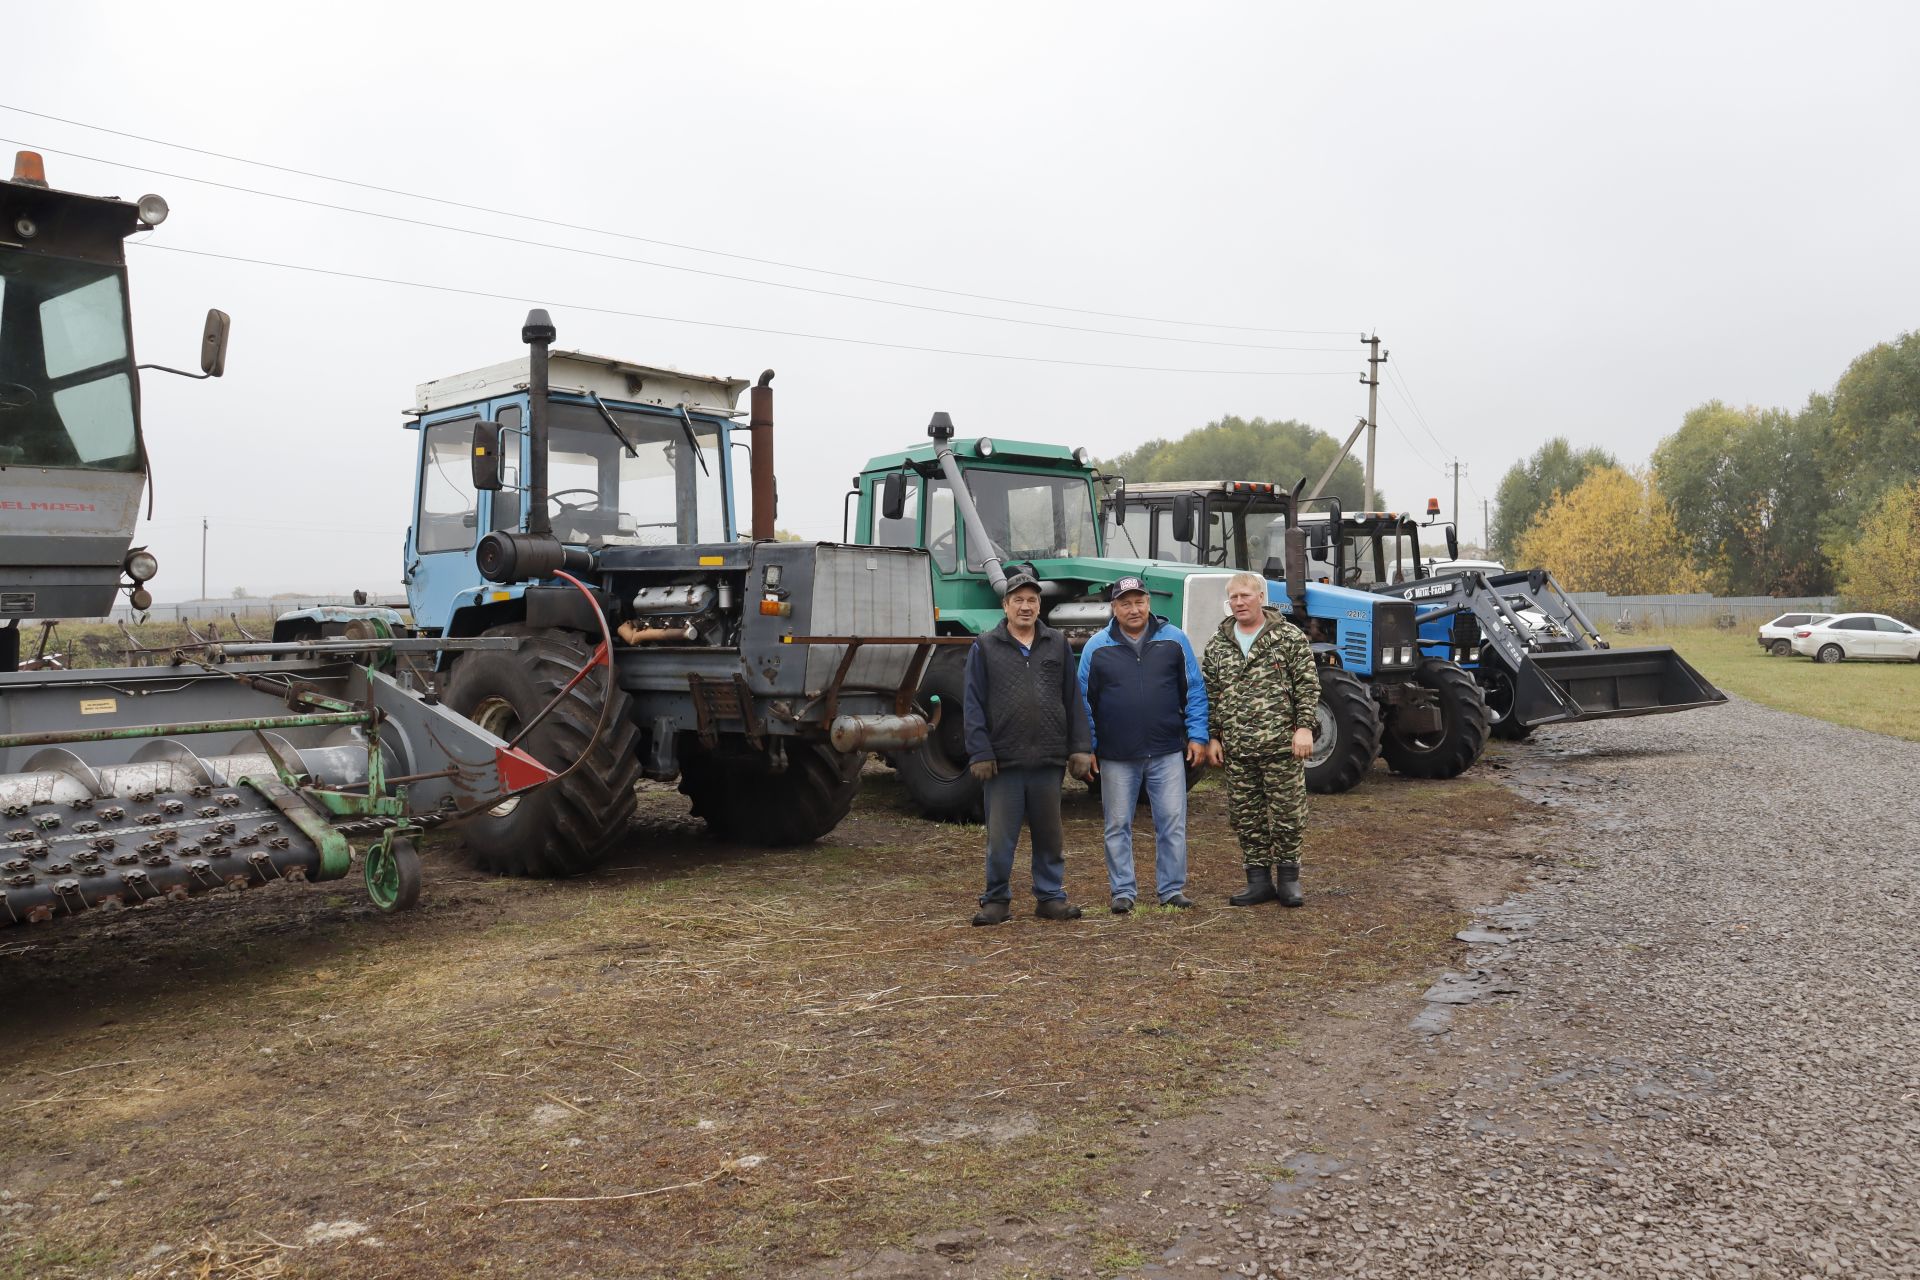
1776	637
1858	635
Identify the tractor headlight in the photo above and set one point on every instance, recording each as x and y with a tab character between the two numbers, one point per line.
141	564
152	210
983	446
1082	457
1406	653
1386	656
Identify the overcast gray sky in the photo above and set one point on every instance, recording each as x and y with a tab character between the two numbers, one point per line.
1576	220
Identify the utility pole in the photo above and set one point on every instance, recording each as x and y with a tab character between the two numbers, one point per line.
203	559
1486	525
1454	510
1375	358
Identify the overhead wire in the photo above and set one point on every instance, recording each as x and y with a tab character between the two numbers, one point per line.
625	235
741	328
662	266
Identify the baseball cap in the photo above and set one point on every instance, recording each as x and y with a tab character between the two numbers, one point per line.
1022	576
1121	586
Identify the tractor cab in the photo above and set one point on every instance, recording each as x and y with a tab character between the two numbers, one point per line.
638	456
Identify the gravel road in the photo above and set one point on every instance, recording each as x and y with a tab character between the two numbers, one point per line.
1691	1047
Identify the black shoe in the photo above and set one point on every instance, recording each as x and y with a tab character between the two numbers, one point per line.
1056	909
1286	879
1259	888
1120	906
993	913
1179	902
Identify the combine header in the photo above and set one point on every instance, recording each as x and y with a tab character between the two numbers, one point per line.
234	765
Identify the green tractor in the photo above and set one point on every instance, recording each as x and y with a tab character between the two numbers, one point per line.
979	505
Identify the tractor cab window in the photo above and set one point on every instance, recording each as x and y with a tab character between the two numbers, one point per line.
660	485
1033	517
66	377
1168	547
1128	531
941	540
509	498
904	532
446	520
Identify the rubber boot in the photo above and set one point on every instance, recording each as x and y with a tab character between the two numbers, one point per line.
1259	888
993	913
1286	879
1056	909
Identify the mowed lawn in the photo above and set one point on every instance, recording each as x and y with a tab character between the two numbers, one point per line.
1883	697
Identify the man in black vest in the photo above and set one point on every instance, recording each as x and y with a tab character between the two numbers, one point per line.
1025	722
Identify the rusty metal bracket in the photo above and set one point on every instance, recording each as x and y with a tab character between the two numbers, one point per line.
756	734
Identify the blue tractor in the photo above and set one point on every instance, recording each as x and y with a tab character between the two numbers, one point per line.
578	511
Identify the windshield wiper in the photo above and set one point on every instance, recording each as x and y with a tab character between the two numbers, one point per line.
607	415
686	425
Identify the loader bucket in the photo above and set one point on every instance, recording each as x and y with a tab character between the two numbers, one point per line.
1600	684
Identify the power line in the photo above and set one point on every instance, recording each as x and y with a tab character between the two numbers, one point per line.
1400	386
744	328
1438	468
662	266
668	244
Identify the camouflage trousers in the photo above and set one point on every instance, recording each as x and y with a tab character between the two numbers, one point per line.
1267	801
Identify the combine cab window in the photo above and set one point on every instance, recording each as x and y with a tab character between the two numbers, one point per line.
66	381
446	518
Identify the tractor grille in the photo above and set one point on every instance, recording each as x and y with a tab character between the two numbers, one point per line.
1393	624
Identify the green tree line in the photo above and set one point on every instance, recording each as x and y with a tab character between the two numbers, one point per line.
1761	501
1231	448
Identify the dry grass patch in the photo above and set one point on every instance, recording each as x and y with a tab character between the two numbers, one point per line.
703	1061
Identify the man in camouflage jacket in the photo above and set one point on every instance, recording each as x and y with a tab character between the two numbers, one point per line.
1263	695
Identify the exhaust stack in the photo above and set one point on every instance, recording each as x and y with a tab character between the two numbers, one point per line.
766	499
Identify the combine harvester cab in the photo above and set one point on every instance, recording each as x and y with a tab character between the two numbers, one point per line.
233	765
1536	654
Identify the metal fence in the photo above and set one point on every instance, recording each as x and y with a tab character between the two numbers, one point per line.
249	609
1625	613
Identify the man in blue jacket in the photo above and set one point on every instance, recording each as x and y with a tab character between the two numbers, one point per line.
1149	705
1025	723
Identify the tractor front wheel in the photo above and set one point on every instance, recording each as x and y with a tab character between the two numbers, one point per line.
1346	734
741	799
565	827
1450	750
1496	689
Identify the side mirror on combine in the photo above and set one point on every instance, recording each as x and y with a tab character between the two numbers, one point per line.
213	343
893	496
1183	517
486	457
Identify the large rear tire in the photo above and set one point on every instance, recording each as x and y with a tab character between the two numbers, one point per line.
1346	736
936	775
565	827
1451	750
742	800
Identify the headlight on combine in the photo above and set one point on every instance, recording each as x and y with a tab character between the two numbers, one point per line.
141	564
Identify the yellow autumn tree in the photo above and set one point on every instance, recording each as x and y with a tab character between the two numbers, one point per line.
1880	571
1612	533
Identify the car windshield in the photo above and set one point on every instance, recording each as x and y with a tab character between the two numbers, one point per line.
1033	517
66	369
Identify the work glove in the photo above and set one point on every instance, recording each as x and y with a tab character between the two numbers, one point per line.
1080	765
984	770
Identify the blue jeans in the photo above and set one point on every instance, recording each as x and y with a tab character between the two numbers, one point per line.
1030	796
1164	778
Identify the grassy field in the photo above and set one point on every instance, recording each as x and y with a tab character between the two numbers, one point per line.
1883	697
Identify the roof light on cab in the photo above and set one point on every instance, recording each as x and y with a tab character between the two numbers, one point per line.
29	168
